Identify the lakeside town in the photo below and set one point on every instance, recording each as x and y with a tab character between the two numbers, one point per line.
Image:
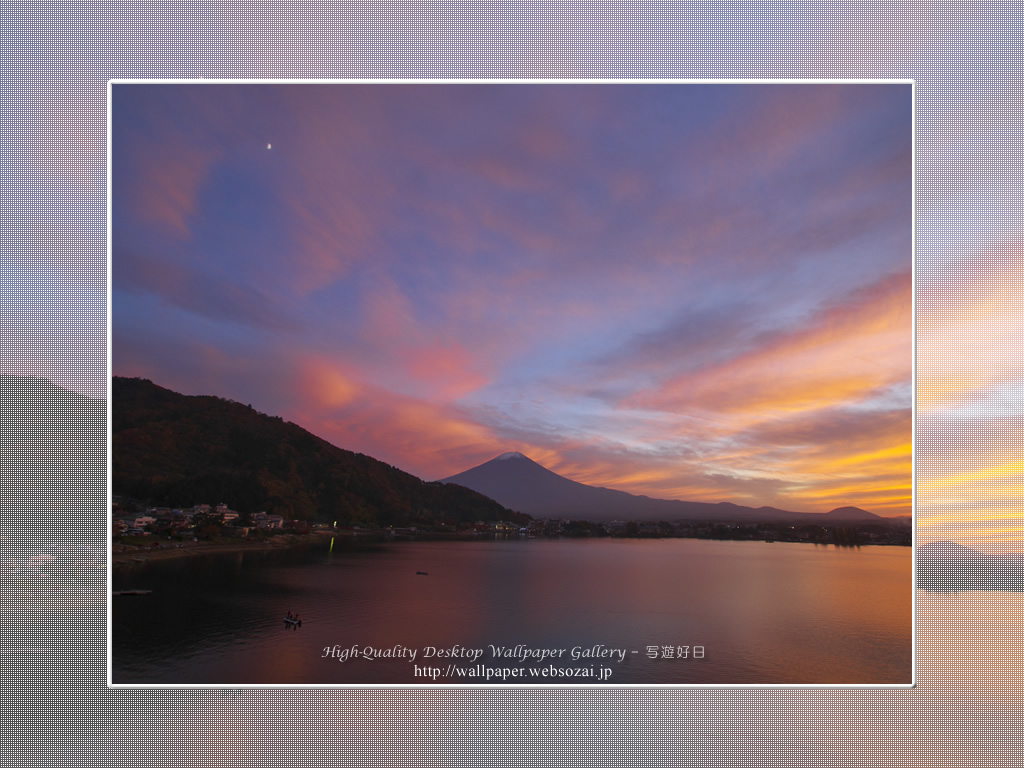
159	528
143	533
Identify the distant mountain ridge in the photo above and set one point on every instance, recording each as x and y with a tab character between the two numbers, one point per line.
851	513
945	566
519	483
173	449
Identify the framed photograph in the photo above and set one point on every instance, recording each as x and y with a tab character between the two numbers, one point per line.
527	383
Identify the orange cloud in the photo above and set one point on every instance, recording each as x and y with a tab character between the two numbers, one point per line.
809	419
892	457
841	355
967	332
328	385
971	471
414	434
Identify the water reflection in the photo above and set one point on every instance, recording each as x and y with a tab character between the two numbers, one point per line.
779	613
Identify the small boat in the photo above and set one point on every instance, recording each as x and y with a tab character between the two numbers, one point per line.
421	573
290	622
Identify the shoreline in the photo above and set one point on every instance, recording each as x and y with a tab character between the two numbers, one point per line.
167	551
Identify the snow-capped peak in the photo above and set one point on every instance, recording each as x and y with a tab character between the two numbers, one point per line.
510	455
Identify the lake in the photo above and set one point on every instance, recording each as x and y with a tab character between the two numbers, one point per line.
522	611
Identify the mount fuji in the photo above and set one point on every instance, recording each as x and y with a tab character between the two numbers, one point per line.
518	482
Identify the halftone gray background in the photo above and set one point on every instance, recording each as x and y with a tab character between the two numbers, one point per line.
965	711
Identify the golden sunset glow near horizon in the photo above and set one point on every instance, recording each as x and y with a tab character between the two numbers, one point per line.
686	291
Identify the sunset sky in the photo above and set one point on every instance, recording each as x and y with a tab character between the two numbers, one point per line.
694	291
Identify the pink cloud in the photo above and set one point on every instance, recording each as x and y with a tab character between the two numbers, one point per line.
415	434
165	183
415	355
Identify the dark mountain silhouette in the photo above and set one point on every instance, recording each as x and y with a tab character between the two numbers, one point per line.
53	453
172	449
944	566
855	514
522	484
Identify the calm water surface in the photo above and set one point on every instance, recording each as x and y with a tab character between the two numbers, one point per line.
763	613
